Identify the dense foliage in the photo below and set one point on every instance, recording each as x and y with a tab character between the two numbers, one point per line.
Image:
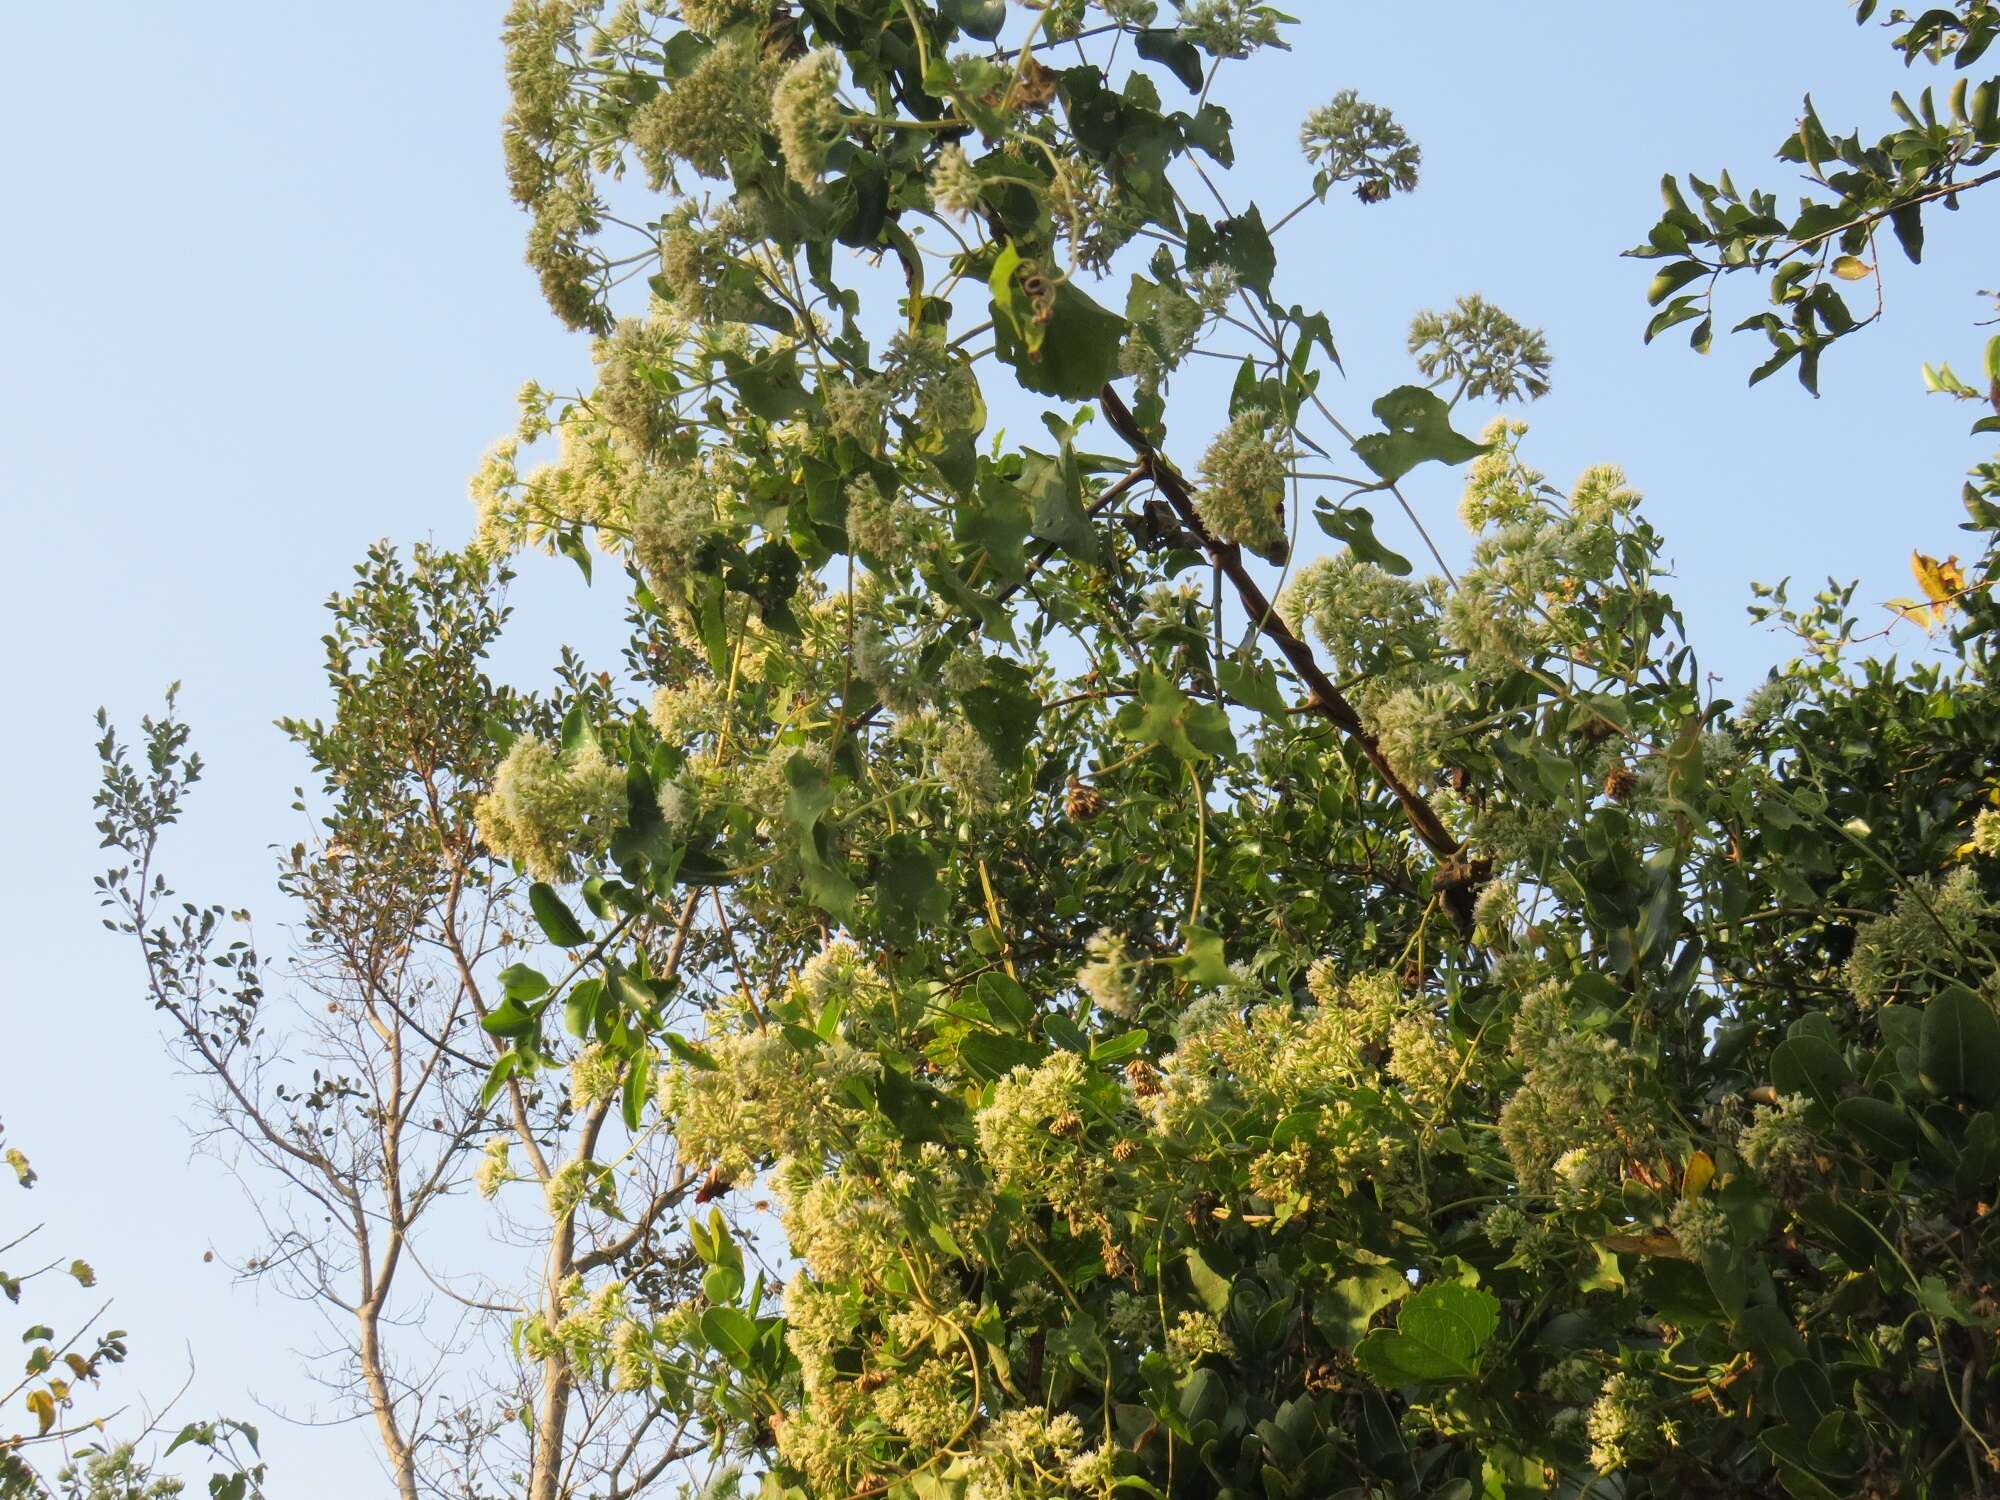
1167	1017
1400	1038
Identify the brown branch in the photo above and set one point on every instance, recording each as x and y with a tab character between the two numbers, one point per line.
1459	876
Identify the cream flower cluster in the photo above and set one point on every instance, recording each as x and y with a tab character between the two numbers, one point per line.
546	808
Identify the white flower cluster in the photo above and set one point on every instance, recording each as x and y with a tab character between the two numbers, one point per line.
765	1098
1242	494
1933	923
1031	1135
805	109
1779	1144
1230	28
1107	977
1351	140
1578	1096
546	808
713	113
1482	350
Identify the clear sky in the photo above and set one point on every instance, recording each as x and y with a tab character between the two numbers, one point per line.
262	302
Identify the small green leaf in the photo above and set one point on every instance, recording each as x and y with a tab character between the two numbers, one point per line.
1165	716
519	982
1166	45
1672	278
1356	527
1254	684
689	1053
1116	1049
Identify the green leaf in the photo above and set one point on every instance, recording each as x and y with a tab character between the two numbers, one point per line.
810	791
1058	341
1053	488
558	925
907	892
580	1007
1116	1049
1240	243
1959	1054
732	1333
1254	684
1004	711
1165	716
1005	1001
1438	1335
689	1053
1879	1126
1344	1310
1672	278
571	546
1420	431
519	982
638	1088
987	1055
1206	959
1209	1284
1356	527
981	19
1809	1065
506	1066
1166	45
510	1018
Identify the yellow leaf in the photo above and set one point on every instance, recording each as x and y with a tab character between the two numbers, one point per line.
1942	582
1851	267
1700	1169
43	1405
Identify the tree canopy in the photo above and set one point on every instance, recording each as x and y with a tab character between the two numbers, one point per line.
1107	1005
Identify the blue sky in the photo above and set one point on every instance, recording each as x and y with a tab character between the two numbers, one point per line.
264	303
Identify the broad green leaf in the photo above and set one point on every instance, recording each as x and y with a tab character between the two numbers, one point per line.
1960	1050
981	19
732	1333
1420	431
1438	1335
1005	1001
1166	45
1165	716
908	894
1808	1065
1209	1284
1117	1049
1254	684
1344	1310
1879	1126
